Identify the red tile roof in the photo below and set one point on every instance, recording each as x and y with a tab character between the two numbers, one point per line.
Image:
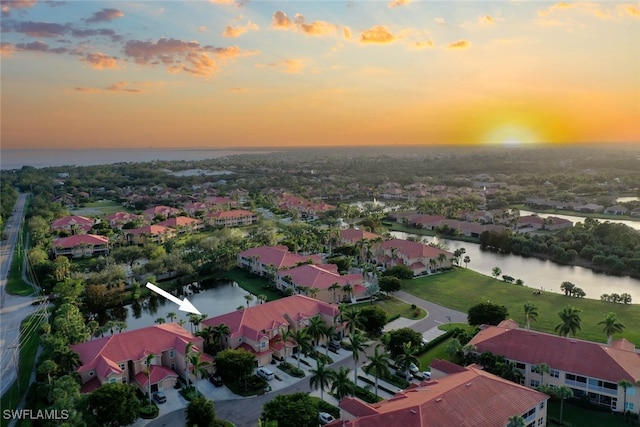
313	276
472	397
238	213
81	222
104	354
161	210
179	221
152	230
278	256
353	235
158	373
413	249
81	239
587	358
251	321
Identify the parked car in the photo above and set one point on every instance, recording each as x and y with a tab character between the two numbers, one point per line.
413	369
159	397
265	373
424	375
403	374
325	418
216	380
334	345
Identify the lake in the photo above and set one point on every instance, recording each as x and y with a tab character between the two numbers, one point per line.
537	273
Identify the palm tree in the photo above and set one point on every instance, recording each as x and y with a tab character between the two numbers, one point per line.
516	421
407	357
321	377
199	367
249	298
563	392
67	359
357	342
530	313
316	329
187	356
570	317
284	337
342	386
496	272
303	341
219	332
466	261
352	318
147	364
379	365
441	258
543	368
181	322
611	326
333	288
347	291
625	384
262	298
329	332
159	320
171	316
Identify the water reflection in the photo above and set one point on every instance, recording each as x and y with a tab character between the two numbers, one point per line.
214	299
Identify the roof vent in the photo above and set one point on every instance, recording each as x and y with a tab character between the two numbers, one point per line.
467	384
412	411
439	399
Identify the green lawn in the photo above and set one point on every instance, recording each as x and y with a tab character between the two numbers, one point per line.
100	207
438	352
15	284
395	307
581	417
461	289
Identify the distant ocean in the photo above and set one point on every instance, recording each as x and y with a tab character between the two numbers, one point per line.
16	159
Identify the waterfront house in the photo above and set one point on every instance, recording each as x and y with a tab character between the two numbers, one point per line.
351	236
259	328
323	279
267	260
417	256
81	245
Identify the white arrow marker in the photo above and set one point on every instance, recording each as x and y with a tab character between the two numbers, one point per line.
184	305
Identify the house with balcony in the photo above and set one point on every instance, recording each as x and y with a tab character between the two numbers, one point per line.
81	246
323	282
159	211
267	260
351	236
72	224
259	328
231	218
149	234
122	357
420	258
592	370
460	397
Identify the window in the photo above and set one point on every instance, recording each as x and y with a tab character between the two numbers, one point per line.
554	373
112	380
541	421
541	405
629	406
122	366
91	373
521	366
534	383
124	380
172	354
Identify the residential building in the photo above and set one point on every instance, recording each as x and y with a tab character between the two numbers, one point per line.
160	211
616	210
420	258
72	224
231	218
182	224
259	328
121	358
149	233
322	279
462	397
81	245
350	236
118	219
196	208
267	260
591	369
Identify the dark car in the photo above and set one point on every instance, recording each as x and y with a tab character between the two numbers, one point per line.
216	380
159	397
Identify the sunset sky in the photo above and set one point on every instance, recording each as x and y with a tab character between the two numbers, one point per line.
225	73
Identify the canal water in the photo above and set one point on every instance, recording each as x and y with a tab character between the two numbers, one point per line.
537	273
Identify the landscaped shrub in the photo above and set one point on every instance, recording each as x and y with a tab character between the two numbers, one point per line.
328	407
291	370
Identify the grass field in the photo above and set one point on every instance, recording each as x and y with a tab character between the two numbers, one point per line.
580	417
100	207
252	283
461	289
395	307
15	284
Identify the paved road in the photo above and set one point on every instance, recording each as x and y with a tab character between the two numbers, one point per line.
13	309
245	412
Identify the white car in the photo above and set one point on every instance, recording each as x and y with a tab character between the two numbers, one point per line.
424	375
325	418
413	369
265	373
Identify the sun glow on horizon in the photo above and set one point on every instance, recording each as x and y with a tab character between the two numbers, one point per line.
511	135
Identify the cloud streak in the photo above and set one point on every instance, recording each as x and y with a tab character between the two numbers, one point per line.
378	34
237	31
105	15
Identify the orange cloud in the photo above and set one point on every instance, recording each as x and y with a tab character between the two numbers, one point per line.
6	49
290	66
122	87
16	4
237	31
100	61
377	34
460	44
421	45
105	15
280	21
598	10
180	55
396	3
